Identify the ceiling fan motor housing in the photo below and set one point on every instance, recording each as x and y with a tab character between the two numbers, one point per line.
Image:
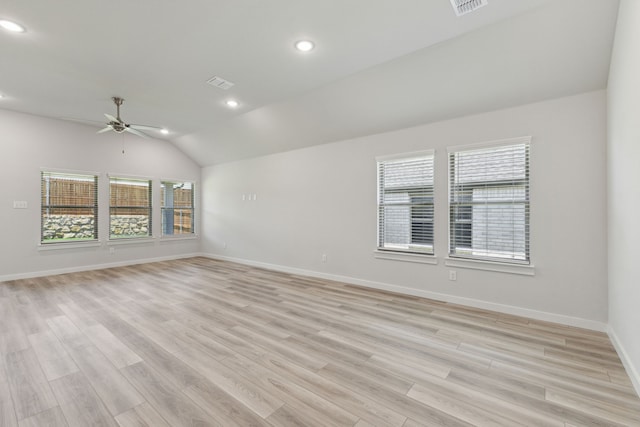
118	127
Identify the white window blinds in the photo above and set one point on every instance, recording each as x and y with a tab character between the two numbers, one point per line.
129	208
69	207
405	203
489	202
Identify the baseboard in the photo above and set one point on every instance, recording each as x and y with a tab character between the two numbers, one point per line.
487	305
470	302
631	369
33	274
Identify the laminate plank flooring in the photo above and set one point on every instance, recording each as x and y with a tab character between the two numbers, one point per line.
118	353
53	358
7	414
116	392
30	391
200	342
50	418
80	404
141	416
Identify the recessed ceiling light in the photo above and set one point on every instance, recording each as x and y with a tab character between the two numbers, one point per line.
232	103
11	26
304	45
1	95
164	131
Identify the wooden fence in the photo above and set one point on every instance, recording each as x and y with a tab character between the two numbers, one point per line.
72	197
68	197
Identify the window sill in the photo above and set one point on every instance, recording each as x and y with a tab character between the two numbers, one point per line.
525	270
406	257
68	245
179	237
130	241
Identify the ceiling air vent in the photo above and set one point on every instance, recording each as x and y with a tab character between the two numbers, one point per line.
462	7
220	83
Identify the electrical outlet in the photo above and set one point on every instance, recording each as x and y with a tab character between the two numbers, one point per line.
20	204
112	251
453	275
224	245
324	257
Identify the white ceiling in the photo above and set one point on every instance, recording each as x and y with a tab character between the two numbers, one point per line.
379	65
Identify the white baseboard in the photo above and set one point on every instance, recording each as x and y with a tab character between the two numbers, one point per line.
33	274
632	371
487	305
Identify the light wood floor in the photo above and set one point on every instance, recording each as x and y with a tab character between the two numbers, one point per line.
199	342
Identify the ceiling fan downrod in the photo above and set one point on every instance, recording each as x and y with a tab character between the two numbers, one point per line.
118	101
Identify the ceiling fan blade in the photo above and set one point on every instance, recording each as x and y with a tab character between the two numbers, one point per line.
108	128
111	118
72	119
135	132
144	127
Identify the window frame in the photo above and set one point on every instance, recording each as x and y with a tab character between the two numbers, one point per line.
428	250
88	176
163	209
149	208
525	182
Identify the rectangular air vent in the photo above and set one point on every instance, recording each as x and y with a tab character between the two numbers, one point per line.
220	83
462	7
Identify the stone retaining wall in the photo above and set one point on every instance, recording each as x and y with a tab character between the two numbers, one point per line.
68	227
82	226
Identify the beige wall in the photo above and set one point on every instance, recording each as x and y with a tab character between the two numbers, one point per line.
624	188
30	143
322	200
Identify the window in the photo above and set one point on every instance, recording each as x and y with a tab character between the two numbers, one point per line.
489	202
69	207
405	203
129	208
177	208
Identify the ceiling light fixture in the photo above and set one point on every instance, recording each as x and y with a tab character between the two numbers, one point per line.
304	45
232	103
11	26
164	131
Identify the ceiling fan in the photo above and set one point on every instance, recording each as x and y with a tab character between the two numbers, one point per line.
118	125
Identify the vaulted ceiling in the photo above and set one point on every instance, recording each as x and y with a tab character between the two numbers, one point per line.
378	65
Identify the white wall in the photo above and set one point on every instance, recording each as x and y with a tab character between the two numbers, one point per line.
29	143
624	188
323	200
